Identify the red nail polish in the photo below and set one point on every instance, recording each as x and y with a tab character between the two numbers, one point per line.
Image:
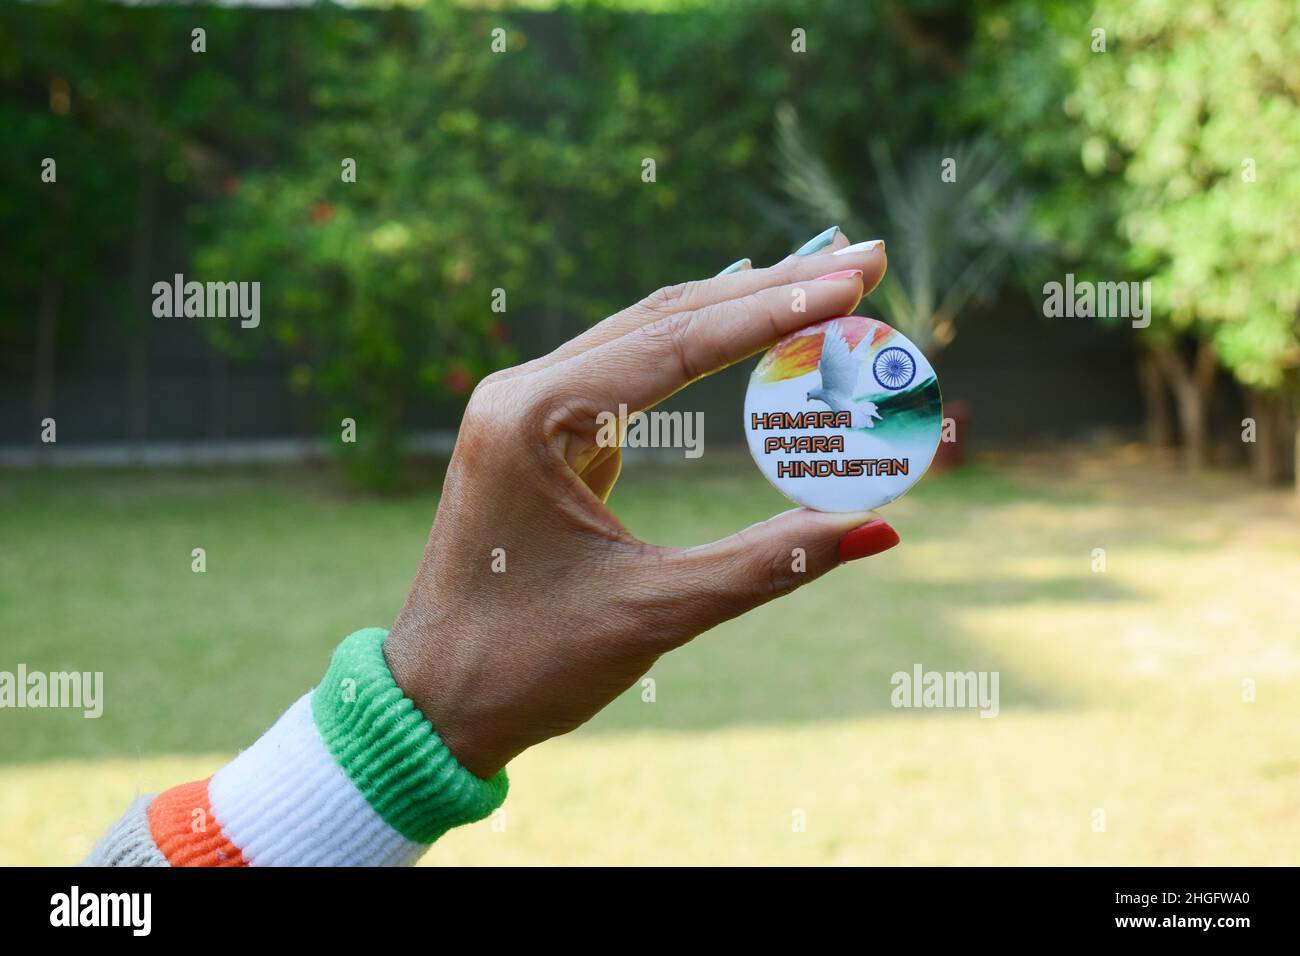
842	274
871	538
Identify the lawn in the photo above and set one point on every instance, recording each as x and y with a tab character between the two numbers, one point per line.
1125	733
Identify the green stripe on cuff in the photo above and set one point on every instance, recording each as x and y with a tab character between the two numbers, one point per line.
388	749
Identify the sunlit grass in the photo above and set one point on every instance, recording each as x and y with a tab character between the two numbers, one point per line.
1121	691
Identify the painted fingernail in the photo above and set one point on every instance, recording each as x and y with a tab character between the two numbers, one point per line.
735	267
842	274
860	247
871	538
819	241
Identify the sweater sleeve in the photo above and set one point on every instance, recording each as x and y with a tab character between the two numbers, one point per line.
351	775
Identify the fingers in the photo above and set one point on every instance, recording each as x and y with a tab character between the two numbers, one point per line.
728	577
869	257
820	242
839	242
737	279
736	267
653	361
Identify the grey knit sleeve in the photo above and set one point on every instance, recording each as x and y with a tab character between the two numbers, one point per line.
128	842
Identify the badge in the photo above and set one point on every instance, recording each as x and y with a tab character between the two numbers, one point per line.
844	415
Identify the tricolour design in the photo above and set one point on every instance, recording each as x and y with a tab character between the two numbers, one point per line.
352	774
844	415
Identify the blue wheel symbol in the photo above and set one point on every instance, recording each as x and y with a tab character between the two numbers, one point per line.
894	368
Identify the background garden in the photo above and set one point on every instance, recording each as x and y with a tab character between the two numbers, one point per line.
1138	141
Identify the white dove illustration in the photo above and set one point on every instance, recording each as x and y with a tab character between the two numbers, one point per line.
838	368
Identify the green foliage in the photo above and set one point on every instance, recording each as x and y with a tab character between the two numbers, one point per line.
381	284
475	170
1140	154
1199	102
1020	86
137	125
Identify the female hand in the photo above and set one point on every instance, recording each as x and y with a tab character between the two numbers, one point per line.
501	660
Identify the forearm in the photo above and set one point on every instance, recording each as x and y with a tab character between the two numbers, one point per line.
351	775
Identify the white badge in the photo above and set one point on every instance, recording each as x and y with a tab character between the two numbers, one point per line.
844	415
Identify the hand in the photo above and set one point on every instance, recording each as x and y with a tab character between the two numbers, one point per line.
499	661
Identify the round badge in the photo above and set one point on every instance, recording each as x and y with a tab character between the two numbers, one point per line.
844	415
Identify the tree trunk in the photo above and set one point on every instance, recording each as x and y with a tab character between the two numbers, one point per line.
1296	453
1266	450
1191	418
1158	415
1192	383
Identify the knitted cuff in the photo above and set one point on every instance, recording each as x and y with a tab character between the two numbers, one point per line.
388	749
351	775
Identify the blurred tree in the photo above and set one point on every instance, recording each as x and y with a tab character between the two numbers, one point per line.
1182	119
61	205
475	170
1021	83
135	126
1199	100
955	222
522	171
382	236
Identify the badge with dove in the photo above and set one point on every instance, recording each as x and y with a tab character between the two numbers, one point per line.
843	415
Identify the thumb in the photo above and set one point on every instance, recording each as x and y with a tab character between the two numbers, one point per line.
774	557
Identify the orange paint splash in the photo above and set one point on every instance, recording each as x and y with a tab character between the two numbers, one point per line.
799	352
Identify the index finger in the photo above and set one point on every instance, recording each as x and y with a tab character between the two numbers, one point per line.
868	256
646	365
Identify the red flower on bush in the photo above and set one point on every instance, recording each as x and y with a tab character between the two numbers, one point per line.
321	212
459	381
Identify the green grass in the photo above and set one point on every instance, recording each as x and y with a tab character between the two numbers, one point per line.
1120	691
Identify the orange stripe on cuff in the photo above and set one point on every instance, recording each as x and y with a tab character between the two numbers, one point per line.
187	832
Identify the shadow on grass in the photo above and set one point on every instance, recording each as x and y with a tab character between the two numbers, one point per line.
809	661
100	579
829	651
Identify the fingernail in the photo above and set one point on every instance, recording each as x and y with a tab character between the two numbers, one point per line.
860	247
871	538
819	241
842	274
735	267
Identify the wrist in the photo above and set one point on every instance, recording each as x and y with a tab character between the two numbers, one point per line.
390	749
406	653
